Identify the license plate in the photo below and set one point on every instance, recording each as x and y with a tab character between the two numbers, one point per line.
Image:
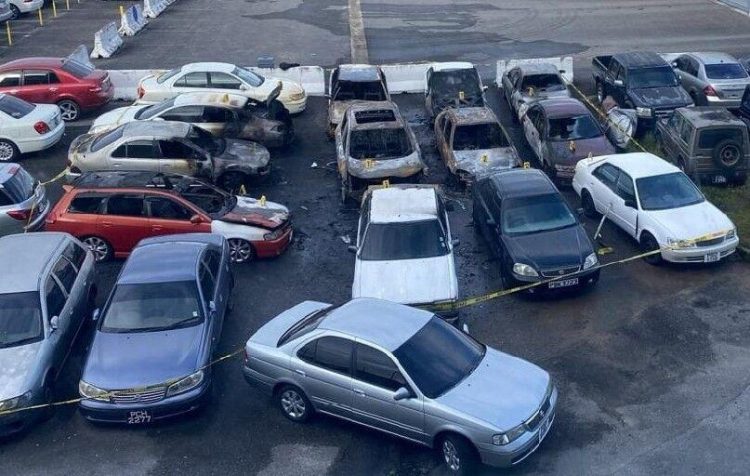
563	283
543	428
139	417
719	179
711	257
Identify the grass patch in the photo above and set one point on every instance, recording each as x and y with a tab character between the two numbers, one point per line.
735	202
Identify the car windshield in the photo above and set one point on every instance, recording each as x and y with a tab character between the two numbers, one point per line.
206	141
521	216
253	79
106	138
664	192
479	136
404	240
439	356
362	90
208	198
542	82
710	138
659	77
379	144
20	319
452	82
725	71
154	110
152	307
573	128
165	76
15	107
76	68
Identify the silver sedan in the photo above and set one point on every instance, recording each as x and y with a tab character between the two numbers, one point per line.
712	79
405	372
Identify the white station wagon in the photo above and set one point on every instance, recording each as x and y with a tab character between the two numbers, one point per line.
658	205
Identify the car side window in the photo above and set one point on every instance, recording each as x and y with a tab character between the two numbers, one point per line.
607	174
376	368
173	149
193	80
686	132
167	209
65	273
613	66
691	67
224	81
213	261
76	254
10	79
184	114
343	122
137	149
213	114
620	73
364	218
125	205
540	122
53	297
35	78
625	188
206	280
90	204
331	353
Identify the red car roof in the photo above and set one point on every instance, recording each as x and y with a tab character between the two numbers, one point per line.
37	62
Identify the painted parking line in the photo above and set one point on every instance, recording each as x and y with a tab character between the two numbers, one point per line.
357	33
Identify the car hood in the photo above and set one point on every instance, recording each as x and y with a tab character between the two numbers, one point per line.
694	221
337	109
562	248
540	94
503	391
115	117
409	281
249	211
270	333
16	367
128	360
288	88
673	96
480	163
249	153
596	146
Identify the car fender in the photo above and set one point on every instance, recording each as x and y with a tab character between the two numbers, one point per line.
450	427
235	230
648	224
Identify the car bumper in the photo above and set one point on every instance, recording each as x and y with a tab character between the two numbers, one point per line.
13	423
6	15
258	380
30	6
296	107
273	248
585	279
701	254
728	103
99	99
38	222
43	142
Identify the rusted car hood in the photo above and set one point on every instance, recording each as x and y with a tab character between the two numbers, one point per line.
376	169
596	146
662	97
480	163
16	365
250	211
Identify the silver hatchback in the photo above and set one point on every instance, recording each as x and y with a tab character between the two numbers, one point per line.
712	79
23	201
406	372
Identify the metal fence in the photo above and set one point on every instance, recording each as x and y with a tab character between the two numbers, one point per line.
743	5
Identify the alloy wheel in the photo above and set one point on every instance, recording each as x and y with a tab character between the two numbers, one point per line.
293	404
240	251
99	248
451	456
68	110
7	151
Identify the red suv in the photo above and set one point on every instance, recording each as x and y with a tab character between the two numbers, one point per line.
73	86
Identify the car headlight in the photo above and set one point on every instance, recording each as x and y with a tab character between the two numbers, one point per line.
674	243
274	235
731	234
89	391
501	439
522	269
590	261
297	96
643	112
15	402
185	384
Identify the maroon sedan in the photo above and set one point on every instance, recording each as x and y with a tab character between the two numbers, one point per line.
73	86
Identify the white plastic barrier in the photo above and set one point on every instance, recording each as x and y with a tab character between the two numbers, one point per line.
564	66
406	78
154	8
312	78
81	55
106	41
132	21
125	82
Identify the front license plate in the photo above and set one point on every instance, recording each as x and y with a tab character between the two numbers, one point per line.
563	283
711	257
139	417
543	428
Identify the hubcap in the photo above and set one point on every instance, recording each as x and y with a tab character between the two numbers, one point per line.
6	151
98	247
293	404
240	250
68	111
730	155
450	454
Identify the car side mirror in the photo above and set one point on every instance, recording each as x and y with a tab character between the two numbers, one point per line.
402	394
196	219
484	87
630	203
54	322
95	314
352	249
491	222
455	242
580	211
673	64
211	306
243	87
618	82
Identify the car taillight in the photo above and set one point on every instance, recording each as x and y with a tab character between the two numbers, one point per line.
41	127
19	214
95	89
141	91
709	91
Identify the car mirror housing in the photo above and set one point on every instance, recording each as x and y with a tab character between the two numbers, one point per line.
53	323
630	203
95	314
402	394
212	306
455	242
196	219
618	82
352	248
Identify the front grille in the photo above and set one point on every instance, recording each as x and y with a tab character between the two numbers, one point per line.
533	422
555	273
148	395
711	242
663	113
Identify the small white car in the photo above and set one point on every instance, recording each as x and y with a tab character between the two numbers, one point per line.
19	7
658	205
27	127
404	247
219	77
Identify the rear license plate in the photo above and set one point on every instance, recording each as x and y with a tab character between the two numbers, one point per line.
719	179
711	257
563	283
139	417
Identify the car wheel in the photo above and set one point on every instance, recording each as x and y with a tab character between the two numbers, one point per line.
727	154
458	454
240	251
8	151
99	247
294	404
600	92
648	244
16	12
232	181
587	203
69	110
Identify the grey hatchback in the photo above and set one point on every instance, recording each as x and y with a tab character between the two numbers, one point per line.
23	200
406	372
43	304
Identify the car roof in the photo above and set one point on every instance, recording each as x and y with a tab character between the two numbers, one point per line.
562	107
211	99
451	66
382	323
713	57
374	106
27	255
156	128
209	66
130	179
167	260
522	183
705	116
34	62
638	164
8	170
640	59
472	115
538	68
358	72
403	204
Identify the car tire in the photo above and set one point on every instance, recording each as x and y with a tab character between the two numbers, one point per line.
69	110
100	248
16	12
294	404
8	151
458	455
241	251
648	244
587	203
232	181
728	155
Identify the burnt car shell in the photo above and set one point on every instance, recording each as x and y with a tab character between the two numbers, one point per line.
456	87
261	213
351	84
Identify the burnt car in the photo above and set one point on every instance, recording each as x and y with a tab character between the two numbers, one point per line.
707	143
352	83
530	82
375	143
561	132
473	143
453	85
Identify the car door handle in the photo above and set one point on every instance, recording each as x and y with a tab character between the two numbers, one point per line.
359	392
107	223
301	372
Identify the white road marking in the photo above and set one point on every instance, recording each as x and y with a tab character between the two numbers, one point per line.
357	33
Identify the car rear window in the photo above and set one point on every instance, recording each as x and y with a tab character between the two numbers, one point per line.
77	69
479	137
20	186
709	138
725	71
543	82
15	107
165	76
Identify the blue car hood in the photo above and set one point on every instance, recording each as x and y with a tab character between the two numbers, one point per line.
128	360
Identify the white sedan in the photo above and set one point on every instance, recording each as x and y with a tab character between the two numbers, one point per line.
658	205
219	77
27	127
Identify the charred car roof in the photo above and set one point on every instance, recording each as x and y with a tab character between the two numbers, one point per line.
471	115
709	116
375	115
156	129
130	179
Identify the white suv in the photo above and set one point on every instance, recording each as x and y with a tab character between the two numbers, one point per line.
404	247
657	204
